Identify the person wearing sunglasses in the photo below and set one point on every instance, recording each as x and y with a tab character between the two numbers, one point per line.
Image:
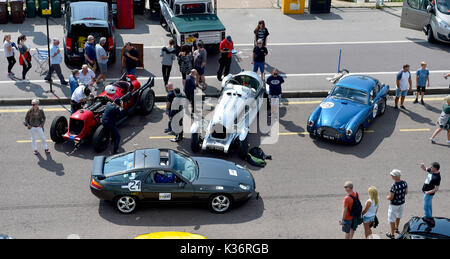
261	33
274	81
34	121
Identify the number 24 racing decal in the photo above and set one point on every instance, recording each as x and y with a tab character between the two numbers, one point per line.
133	186
165	196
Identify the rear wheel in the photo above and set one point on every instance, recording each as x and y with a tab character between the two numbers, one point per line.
101	138
220	203
243	148
147	101
126	204
58	129
195	142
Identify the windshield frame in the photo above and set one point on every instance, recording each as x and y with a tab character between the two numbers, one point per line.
349	89
188	158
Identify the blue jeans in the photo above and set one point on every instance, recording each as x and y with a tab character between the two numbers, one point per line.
259	65
131	71
427	205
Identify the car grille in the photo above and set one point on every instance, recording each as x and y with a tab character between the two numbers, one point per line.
76	126
329	132
219	132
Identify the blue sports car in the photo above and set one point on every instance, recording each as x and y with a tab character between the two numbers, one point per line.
351	106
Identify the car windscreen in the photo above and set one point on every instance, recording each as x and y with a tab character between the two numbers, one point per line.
184	166
350	94
193	8
118	163
245	80
443	6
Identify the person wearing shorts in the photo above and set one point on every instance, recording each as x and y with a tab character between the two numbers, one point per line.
397	197
443	121
370	211
403	80
348	222
200	56
422	78
102	59
259	58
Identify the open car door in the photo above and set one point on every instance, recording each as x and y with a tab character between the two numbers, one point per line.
415	15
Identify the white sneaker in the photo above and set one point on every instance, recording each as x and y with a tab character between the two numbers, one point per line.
433	141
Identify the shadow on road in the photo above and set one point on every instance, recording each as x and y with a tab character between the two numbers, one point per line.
50	165
182	215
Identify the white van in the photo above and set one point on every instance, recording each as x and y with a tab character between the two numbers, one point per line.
431	17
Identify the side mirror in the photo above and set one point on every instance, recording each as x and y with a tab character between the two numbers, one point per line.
430	8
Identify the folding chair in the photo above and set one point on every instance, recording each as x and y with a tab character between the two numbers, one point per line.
41	57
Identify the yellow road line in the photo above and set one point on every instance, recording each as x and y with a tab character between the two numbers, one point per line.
161	137
301	102
292	133
369	131
413	130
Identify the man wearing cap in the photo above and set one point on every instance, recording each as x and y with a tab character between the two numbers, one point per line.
55	60
397	196
109	118
226	48
422	80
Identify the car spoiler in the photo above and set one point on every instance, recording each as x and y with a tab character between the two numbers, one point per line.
97	166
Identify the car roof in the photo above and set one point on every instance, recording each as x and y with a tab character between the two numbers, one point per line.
149	158
358	82
441	226
89	9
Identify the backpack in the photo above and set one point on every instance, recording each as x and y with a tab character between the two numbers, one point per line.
356	210
257	157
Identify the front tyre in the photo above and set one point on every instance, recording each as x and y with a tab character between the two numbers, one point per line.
430	35
101	139
58	129
383	106
359	136
147	101
243	148
126	204
220	203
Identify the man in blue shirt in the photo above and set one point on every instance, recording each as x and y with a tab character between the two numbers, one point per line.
73	81
89	53
55	60
274	81
422	77
189	87
109	118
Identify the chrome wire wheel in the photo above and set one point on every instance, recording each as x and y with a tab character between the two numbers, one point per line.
126	204
220	203
359	135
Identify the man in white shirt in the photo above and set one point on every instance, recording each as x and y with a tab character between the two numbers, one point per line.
403	81
87	76
79	97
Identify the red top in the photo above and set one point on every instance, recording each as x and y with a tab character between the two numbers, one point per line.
348	203
227	45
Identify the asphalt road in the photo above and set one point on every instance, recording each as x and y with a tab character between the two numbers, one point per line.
301	188
305	48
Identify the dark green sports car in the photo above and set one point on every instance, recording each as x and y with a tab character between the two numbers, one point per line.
164	175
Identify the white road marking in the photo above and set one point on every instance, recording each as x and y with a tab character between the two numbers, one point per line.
284	75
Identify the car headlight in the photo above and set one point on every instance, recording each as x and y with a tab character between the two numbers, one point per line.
442	24
349	132
244	187
310	123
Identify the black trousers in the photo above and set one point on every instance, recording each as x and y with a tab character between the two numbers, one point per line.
224	67
25	68
55	68
11	62
166	73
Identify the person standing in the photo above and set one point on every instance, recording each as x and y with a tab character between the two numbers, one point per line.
102	59
168	55
259	58
55	61
9	49
274	81
89	53
189	87
430	187
444	121
349	222
73	80
79	97
34	121
397	197
185	61
87	77
422	80
261	33
370	211
25	57
226	54
130	59
109	118
403	80
169	99
196	41
177	107
200	56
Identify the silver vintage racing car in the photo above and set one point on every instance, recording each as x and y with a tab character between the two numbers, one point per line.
240	101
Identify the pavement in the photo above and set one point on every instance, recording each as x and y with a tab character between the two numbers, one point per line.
259	4
301	188
306	52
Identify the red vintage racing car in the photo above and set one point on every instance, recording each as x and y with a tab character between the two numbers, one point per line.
84	124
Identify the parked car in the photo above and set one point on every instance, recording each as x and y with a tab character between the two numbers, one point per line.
83	19
431	17
240	101
85	125
351	106
168	176
420	228
183	18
